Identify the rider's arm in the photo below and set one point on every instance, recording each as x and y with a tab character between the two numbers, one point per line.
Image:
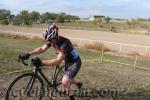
39	50
60	57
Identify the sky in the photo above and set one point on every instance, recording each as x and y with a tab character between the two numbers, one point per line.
83	8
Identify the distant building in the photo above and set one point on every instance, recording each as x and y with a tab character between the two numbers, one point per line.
95	17
119	20
84	19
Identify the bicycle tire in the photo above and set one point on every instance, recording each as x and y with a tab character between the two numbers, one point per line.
26	75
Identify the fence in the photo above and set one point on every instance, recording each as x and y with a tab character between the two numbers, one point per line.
137	55
117	47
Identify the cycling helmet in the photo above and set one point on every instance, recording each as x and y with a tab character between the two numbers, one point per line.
51	32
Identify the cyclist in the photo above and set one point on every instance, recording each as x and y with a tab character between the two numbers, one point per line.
66	52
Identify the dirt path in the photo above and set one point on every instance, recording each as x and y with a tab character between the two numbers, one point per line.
95	35
133	39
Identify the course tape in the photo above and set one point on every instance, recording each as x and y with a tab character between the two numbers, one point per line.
126	64
17	71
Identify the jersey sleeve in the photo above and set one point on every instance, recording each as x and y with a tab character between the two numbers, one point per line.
63	49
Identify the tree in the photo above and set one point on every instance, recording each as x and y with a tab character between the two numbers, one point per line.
46	17
68	18
5	15
34	16
17	20
75	18
107	20
25	19
53	16
141	19
60	18
133	22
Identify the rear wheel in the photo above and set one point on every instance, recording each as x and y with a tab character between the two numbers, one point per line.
26	87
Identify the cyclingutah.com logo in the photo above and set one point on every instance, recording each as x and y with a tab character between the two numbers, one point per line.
49	92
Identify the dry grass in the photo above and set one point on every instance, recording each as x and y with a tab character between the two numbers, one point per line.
38	39
134	53
97	46
3	35
75	44
15	36
137	31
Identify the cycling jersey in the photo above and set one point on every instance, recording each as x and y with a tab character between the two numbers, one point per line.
65	46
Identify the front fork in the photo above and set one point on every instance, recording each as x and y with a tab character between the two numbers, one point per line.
29	89
53	80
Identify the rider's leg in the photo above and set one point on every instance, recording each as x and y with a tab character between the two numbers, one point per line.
71	70
67	85
74	81
78	83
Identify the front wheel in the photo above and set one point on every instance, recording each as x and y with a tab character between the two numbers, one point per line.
26	87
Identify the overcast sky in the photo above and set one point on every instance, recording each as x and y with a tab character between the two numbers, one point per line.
83	8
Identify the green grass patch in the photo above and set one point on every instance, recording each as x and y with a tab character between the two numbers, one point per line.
120	59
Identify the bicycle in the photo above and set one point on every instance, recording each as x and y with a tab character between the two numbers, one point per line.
31	85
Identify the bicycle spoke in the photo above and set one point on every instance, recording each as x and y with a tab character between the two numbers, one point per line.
30	84
59	78
25	87
59	87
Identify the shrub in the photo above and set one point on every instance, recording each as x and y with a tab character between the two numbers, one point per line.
4	22
97	46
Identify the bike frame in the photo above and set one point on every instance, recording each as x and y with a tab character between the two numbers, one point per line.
37	73
38	70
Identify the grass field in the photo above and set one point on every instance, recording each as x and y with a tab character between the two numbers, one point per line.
130	83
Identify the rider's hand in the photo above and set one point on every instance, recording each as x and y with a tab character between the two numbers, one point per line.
36	61
24	56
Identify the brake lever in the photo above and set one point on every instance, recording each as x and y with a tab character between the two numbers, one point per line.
22	61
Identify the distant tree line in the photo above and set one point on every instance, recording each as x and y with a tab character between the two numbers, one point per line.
102	20
28	18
